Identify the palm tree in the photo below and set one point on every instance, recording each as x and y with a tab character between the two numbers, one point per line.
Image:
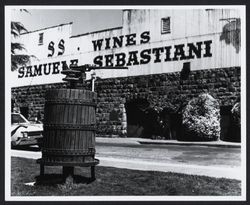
18	59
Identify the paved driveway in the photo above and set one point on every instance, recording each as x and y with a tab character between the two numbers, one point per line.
175	154
199	160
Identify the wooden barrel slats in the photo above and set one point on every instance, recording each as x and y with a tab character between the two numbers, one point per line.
69	126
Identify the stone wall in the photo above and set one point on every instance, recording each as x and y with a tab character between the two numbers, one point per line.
159	90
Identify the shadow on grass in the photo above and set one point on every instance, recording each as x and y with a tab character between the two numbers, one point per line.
56	179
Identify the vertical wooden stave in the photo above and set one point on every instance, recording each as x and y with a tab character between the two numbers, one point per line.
91	119
60	132
75	141
70	119
81	147
83	122
46	121
87	121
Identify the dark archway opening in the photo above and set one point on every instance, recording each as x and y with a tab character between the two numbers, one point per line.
135	111
230	131
147	121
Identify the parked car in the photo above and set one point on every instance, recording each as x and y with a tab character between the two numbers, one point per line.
25	132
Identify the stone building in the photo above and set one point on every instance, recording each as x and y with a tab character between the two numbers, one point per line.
172	56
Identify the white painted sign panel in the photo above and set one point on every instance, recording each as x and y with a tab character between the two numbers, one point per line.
139	49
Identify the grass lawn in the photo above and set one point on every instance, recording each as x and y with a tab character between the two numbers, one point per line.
113	181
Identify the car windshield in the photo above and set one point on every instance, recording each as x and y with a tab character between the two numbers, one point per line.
16	118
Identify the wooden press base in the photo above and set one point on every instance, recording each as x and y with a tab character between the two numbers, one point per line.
68	168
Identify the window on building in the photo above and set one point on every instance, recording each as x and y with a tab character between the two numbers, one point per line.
40	39
165	25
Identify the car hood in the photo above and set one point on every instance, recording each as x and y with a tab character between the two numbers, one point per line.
30	127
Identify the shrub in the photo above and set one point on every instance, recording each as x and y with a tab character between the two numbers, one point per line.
201	119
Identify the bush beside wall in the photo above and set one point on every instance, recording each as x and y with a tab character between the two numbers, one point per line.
201	119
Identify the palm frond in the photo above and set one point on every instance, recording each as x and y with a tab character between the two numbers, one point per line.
16	46
19	60
25	10
17	28
14	33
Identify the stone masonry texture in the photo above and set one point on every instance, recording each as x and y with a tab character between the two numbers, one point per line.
158	89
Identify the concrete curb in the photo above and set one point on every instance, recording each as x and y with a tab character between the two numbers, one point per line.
217	172
208	144
138	141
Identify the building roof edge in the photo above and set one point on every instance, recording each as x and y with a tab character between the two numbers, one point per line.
46	28
99	31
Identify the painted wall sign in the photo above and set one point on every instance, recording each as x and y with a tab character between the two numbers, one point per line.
165	53
138	44
121	41
45	68
51	48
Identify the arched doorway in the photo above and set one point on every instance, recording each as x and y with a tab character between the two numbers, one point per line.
135	111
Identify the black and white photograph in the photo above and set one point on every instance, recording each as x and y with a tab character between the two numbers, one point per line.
141	103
